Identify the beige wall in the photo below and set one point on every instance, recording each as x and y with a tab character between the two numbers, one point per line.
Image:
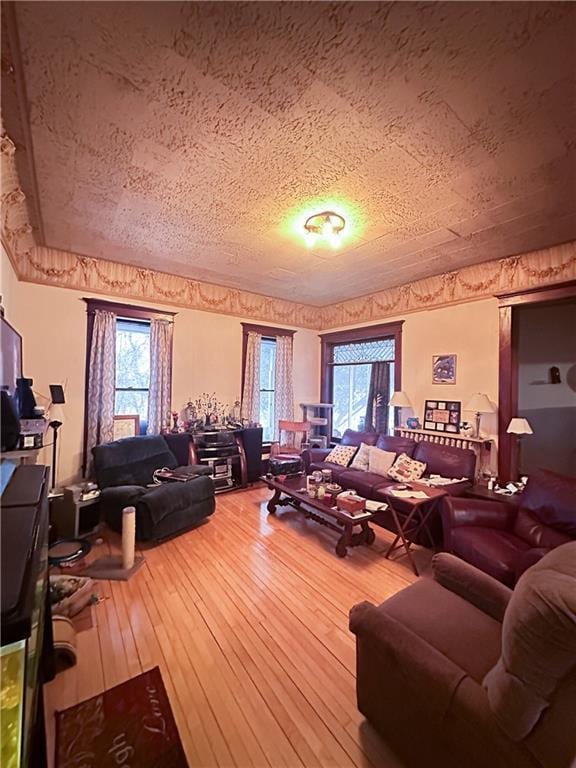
468	330
207	357
8	283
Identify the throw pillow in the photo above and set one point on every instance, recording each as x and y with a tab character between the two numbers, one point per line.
406	469
362	458
380	461
341	454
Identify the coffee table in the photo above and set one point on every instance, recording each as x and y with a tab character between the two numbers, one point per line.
411	515
291	491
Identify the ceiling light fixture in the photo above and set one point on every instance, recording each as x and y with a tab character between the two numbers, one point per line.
326	225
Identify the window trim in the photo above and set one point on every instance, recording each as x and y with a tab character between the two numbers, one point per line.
366	333
267	331
128	311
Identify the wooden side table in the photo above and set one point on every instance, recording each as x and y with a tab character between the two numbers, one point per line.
483	492
408	526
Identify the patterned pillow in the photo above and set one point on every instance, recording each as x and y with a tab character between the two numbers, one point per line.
341	454
406	469
362	458
381	461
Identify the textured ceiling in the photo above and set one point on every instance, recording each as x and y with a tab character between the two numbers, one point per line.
190	137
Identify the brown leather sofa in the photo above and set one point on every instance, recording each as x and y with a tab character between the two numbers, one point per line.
504	540
443	460
458	670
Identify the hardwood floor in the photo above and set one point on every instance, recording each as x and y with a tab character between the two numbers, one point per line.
247	618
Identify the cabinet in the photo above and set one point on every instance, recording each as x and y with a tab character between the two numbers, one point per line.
26	650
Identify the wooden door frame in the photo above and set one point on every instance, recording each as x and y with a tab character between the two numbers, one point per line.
508	364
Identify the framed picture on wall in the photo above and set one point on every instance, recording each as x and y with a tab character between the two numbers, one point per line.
443	369
442	415
126	426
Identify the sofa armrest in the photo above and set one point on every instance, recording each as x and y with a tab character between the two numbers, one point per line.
475	586
530	558
120	496
387	650
314	454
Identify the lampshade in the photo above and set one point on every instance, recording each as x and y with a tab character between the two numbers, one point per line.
519	426
401	400
479	403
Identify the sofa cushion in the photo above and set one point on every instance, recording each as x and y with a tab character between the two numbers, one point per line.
551	498
341	454
538	642
380	461
396	444
448	623
362	458
445	460
131	461
351	437
493	551
406	469
364	483
529	528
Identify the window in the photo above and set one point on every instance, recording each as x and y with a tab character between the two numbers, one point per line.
132	369
267	380
360	375
267	414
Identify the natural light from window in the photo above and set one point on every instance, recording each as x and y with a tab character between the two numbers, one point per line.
132	369
267	380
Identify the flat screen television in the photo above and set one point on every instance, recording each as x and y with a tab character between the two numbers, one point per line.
10	359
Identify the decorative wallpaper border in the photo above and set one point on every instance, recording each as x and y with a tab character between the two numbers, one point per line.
48	266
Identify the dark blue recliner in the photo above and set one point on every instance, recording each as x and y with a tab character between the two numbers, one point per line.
124	469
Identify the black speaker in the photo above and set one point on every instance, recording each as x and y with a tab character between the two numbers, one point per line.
252	442
10	431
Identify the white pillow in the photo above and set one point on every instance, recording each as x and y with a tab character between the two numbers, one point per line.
362	458
341	454
406	469
380	461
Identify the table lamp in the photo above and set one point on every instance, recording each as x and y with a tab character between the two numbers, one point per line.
400	400
519	426
480	404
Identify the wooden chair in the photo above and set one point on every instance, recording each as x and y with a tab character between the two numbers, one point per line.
293	438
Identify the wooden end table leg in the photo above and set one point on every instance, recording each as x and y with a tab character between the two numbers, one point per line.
274	502
344	541
405	542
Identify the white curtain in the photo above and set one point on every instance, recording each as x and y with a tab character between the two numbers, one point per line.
160	393
283	385
101	381
251	392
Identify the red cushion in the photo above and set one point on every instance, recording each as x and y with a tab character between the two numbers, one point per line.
535	533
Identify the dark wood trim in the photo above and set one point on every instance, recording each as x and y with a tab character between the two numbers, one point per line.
122	310
128	310
508	365
266	330
380	331
369	332
269	332
566	290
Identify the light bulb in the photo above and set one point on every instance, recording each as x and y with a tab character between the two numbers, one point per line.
334	240
327	229
310	239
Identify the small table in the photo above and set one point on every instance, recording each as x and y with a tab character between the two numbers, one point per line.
483	492
408	526
290	491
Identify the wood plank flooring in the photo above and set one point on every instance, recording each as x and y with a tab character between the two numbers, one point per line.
247	618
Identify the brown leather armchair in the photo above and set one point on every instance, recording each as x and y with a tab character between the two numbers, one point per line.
504	540
459	670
